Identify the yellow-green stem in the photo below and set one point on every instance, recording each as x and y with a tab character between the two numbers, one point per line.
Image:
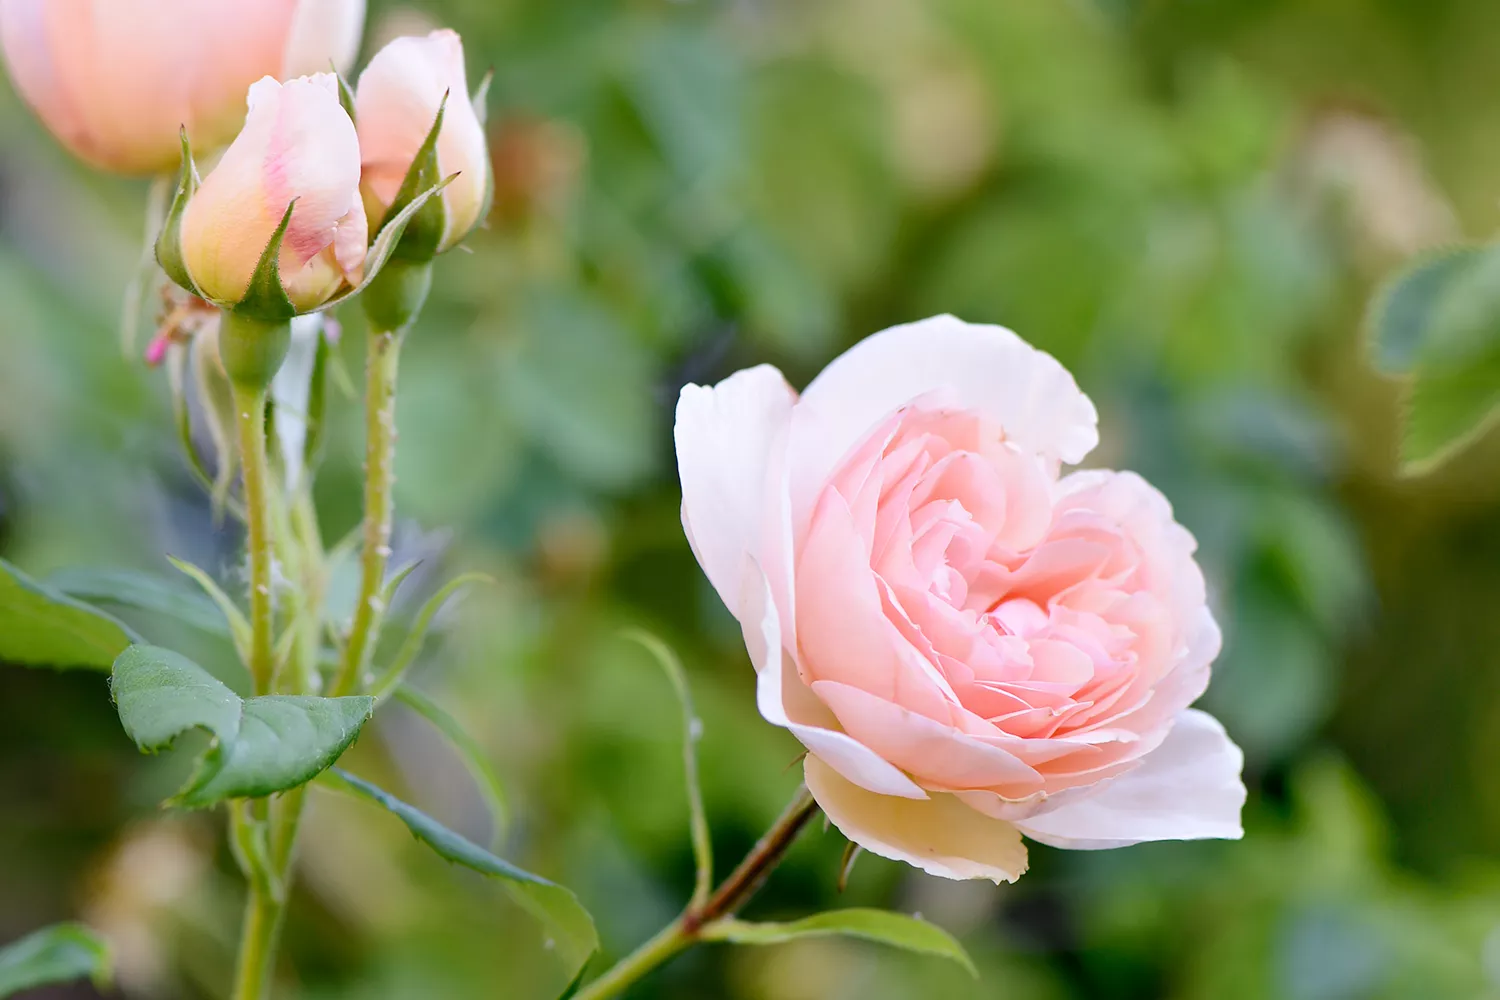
258	934
250	419
263	910
380	456
733	893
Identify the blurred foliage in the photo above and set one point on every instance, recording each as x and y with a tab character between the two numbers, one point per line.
1187	202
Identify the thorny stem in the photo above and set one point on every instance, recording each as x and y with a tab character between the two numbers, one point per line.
733	893
380	452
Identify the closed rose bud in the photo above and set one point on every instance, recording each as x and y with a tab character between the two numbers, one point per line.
115	80
298	145
396	103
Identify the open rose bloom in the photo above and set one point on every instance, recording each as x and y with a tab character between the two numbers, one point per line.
972	644
115	80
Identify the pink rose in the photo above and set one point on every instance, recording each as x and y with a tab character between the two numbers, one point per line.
396	104
116	79
971	645
298	144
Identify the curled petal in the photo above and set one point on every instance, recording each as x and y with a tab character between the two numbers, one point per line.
940	835
1189	788
724	437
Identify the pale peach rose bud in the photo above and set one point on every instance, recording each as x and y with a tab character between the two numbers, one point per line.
115	80
971	644
298	152
395	107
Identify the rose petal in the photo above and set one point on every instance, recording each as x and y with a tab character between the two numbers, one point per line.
784	701
940	835
724	436
1189	788
986	369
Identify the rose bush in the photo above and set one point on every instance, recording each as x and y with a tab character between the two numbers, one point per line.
115	81
971	645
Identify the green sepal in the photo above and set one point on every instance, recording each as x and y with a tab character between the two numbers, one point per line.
385	243
346	94
169	242
426	230
480	99
265	299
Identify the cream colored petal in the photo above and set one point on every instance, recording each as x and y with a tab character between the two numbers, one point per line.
323	32
939	835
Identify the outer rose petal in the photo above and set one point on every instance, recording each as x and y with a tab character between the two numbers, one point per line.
1189	788
784	700
724	439
396	103
987	369
940	835
297	143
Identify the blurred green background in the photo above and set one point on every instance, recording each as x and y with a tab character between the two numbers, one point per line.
1187	201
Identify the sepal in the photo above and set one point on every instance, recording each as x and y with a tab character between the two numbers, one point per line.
169	242
426	231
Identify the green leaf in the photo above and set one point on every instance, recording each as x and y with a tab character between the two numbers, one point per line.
427	229
575	936
571	990
169	243
265	299
882	926
692	728
41	626
61	953
128	588
468	749
411	646
1439	323
261	745
1446	410
385	243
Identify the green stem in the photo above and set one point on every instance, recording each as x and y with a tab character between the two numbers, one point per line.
250	418
733	893
258	934
380	455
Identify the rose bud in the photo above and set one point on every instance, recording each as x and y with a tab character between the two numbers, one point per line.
971	645
297	151
396	104
115	80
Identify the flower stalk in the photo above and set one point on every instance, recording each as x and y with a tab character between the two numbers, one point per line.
698	921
